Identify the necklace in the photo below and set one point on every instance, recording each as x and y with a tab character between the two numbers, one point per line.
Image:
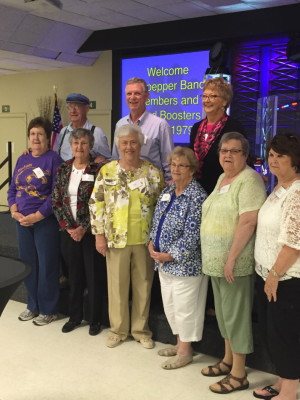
77	171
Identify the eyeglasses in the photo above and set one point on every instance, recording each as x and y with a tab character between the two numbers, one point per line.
74	106
209	96
231	151
180	166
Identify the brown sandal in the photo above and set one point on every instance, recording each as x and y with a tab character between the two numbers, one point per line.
217	366
243	384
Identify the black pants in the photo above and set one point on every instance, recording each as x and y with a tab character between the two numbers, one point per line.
84	269
279	324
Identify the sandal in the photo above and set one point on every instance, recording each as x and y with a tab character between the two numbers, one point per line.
177	362
243	384
272	393
168	352
217	366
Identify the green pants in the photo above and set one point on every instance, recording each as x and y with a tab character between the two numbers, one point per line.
233	304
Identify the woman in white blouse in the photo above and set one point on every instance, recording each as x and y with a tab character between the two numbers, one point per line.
277	256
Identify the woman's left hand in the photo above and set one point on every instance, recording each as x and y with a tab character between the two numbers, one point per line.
161	257
271	286
77	234
228	271
157	256
31	219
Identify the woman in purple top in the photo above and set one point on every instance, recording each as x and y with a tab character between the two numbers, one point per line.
29	200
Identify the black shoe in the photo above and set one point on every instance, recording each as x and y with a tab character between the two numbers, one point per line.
95	329
69	326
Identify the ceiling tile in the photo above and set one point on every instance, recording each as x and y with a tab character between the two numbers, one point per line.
220	3
234	8
155	3
44	53
10	19
182	11
84	19
140	11
64	37
71	58
48	32
31	30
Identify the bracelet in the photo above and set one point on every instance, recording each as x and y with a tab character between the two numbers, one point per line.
275	273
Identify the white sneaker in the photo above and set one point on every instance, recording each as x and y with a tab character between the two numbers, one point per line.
42	319
27	315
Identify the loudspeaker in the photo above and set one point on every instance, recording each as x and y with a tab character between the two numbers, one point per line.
293	50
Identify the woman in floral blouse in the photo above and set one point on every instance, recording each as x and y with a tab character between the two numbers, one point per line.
74	185
121	209
175	247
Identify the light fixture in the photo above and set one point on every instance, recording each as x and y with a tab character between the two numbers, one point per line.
54	3
218	59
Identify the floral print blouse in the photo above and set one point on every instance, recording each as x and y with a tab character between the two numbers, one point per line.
180	232
61	200
109	202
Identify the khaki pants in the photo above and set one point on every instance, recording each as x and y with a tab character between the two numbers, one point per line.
129	264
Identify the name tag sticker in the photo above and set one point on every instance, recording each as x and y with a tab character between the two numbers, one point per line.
224	189
38	172
88	177
166	197
136	184
280	192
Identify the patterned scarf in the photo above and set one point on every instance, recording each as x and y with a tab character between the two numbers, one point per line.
205	139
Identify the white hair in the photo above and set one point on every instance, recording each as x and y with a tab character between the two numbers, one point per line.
125	130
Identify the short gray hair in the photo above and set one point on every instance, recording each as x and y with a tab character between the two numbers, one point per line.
82	132
134	80
236	136
127	129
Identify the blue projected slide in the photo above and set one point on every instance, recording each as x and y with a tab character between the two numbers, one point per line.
175	83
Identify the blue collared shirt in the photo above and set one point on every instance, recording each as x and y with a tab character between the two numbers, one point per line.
100	146
158	142
179	235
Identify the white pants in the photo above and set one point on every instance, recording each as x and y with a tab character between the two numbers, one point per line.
184	300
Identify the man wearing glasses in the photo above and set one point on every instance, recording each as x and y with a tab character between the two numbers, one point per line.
78	107
158	142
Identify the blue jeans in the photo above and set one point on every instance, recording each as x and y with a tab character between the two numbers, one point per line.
39	247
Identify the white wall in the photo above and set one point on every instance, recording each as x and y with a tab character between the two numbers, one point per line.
21	92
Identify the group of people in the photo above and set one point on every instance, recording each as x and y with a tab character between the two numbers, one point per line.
189	213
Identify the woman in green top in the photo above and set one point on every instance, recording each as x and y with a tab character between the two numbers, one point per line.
121	208
229	219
